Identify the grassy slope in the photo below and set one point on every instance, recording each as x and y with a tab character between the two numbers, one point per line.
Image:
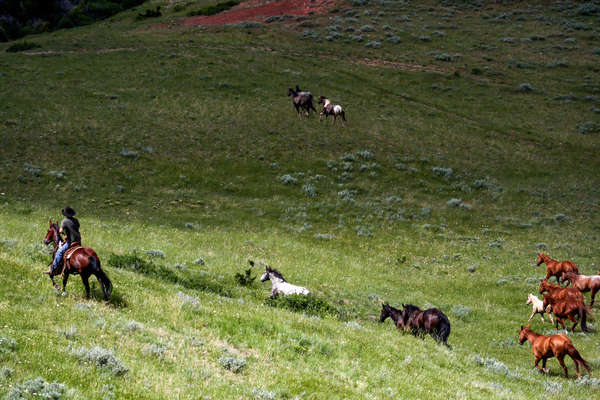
211	105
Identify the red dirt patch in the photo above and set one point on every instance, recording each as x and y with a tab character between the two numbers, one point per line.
258	10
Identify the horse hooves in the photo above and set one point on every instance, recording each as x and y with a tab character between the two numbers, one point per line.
545	370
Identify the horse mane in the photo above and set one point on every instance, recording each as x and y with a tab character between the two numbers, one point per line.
411	307
277	274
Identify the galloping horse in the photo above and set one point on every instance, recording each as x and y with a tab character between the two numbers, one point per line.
555	268
331	109
583	283
432	321
302	101
538	308
545	347
81	260
566	303
279	284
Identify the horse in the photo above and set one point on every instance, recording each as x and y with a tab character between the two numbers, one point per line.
538	308
330	109
544	347
432	321
279	284
78	260
583	283
393	313
555	268
302	101
566	303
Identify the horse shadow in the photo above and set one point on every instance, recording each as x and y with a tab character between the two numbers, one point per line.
115	300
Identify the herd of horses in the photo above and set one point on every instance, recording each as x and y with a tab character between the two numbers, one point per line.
563	302
302	101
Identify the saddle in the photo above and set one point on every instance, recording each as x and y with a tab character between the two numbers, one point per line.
72	249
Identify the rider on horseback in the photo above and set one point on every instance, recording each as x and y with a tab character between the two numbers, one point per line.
70	227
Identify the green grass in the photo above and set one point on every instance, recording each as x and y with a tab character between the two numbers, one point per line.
175	139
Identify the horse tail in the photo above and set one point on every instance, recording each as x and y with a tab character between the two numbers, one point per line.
574	354
444	330
583	312
343	116
105	283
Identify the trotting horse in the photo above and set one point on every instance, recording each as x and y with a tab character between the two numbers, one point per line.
279	284
544	347
566	303
555	268
302	101
331	109
432	321
82	260
537	307
583	283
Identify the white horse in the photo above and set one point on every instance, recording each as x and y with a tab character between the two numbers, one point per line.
330	109
280	285
538	308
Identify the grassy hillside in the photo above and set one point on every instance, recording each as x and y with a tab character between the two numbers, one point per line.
471	144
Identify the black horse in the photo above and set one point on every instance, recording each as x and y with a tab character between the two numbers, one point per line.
302	101
432	321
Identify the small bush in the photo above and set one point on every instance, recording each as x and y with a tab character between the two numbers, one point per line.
310	190
553	387
215	9
307	304
287	179
101	358
586	380
129	153
323	236
7	345
588	127
525	87
454	202
367	28
461	312
155	350
22	46
373	44
6	372
149	13
245	279
443	172
37	388
232	363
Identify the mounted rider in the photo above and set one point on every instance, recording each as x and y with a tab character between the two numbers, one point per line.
70	227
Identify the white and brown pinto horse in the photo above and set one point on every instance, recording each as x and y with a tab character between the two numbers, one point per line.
538	308
280	285
331	109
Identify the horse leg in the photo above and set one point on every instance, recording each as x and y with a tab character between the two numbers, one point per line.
593	293
562	323
546	370
65	279
572	318
561	361
86	284
531	316
537	361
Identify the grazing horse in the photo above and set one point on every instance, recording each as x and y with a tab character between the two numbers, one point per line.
538	308
432	321
393	313
302	101
279	284
78	260
583	283
330	109
566	303
544	347
555	268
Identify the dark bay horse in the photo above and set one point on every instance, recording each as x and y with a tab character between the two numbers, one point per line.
83	261
556	268
583	283
419	322
544	347
302	101
566	303
393	313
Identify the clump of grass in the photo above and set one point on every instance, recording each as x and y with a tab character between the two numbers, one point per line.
129	153
324	236
22	46
374	44
32	169
155	253
443	172
553	387
585	380
310	190
6	372
461	312
588	127
347	195
232	363
394	39
7	345
37	388
199	261
357	38
495	244
363	231
189	301
310	305
155	350
494	365
101	358
367	28
245	279
132	326
447	57
8	243
525	87
70	333
263	394
454	202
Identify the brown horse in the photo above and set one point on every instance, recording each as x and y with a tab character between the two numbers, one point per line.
432	321
83	261
393	313
555	268
302	101
583	283
565	303
545	347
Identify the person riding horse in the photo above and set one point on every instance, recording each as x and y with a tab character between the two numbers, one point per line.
70	227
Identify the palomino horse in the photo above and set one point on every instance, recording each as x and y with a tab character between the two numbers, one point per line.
583	283
545	347
83	261
432	321
565	303
279	284
302	101
555	268
393	313
330	109
538	308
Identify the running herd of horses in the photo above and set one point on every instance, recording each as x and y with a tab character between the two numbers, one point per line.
563	302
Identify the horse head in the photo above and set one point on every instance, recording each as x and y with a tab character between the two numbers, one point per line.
321	99
567	276
385	312
541	258
51	234
544	286
265	276
523	334
291	92
530	298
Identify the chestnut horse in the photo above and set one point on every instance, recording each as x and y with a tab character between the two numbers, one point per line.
432	321
566	303
555	268
83	261
583	283
544	347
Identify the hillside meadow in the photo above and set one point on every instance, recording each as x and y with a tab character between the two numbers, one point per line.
471	145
